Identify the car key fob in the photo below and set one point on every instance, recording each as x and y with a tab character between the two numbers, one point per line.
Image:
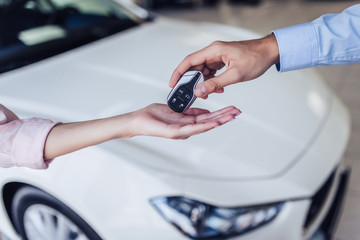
182	96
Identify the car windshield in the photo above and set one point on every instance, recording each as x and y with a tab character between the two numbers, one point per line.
32	30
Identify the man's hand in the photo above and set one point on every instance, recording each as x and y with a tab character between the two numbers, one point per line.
244	60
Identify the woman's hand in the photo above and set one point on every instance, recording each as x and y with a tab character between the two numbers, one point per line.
160	121
154	120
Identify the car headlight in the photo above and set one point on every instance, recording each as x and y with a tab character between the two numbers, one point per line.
199	220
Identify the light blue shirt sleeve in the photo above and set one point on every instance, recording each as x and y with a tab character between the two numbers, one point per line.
332	39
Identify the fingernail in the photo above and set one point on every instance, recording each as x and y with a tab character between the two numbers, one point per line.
201	91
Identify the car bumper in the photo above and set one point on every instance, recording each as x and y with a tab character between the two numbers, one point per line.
290	224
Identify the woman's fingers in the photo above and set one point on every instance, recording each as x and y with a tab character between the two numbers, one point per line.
231	110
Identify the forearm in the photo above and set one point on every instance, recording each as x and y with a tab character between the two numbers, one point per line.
154	120
69	137
339	37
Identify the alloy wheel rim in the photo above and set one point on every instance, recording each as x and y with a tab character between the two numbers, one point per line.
42	222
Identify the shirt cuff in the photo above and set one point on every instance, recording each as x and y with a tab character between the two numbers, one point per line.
29	143
298	47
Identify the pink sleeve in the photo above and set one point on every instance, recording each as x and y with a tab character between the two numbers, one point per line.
22	141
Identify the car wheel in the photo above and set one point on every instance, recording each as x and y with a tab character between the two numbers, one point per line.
39	216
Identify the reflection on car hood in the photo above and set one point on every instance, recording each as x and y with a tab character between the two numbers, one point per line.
281	111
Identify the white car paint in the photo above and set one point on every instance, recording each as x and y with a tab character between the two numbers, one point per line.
290	137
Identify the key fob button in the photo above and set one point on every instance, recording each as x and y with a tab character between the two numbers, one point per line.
180	92
177	104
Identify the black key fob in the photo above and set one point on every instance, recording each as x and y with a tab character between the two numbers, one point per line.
182	95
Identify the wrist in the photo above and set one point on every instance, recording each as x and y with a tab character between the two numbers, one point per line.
123	126
272	48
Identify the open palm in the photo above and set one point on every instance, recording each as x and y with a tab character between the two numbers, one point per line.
159	120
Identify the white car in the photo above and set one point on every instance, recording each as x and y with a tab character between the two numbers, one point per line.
276	172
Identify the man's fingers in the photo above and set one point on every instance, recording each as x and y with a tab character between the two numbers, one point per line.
197	59
190	61
221	90
217	84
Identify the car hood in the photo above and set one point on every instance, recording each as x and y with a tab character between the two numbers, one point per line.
129	70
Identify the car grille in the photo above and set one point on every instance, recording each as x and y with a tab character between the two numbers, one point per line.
318	200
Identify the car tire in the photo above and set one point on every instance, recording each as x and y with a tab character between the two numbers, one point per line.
38	215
